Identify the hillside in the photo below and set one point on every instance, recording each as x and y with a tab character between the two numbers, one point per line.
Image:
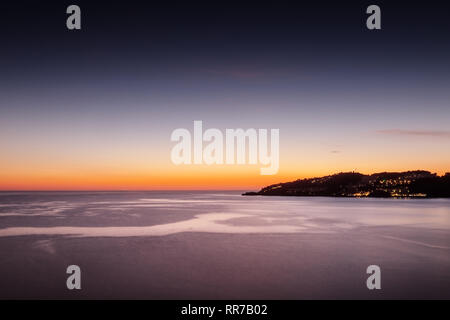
411	184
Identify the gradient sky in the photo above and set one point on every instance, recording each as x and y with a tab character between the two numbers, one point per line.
94	109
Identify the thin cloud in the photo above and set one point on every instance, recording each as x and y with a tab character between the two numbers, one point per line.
422	133
235	73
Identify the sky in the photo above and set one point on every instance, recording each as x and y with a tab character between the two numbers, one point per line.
93	109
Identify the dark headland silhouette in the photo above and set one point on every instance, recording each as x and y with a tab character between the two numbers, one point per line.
410	184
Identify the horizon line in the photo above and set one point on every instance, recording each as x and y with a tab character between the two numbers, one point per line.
180	189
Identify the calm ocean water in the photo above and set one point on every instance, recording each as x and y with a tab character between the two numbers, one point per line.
219	244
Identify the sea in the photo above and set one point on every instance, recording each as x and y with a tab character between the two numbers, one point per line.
221	245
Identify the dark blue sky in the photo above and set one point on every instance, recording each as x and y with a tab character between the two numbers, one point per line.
224	49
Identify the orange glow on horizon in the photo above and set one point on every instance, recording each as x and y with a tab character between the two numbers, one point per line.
178	178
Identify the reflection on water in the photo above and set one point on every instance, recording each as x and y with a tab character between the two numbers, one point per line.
127	214
204	245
